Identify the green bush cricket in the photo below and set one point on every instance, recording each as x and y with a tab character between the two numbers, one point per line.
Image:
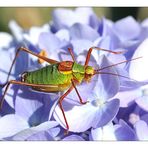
58	76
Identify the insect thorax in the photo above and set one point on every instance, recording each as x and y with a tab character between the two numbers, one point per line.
78	71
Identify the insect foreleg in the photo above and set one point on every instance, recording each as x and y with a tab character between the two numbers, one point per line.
81	101
97	48
71	53
51	61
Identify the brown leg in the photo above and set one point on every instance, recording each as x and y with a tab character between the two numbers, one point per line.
61	107
90	50
71	53
78	93
38	85
21	83
30	52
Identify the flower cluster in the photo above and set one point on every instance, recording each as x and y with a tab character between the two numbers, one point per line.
117	102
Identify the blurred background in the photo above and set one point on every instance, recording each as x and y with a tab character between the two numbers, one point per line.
33	16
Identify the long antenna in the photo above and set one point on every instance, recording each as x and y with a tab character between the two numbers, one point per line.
114	74
117	64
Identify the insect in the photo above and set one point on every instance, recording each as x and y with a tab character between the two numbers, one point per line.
58	76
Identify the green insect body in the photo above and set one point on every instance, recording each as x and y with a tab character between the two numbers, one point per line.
48	75
57	75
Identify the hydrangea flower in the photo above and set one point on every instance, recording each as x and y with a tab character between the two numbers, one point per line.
117	106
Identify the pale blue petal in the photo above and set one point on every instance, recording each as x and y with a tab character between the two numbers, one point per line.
124	132
144	117
105	133
73	138
16	30
124	30
142	102
105	27
24	134
80	31
5	39
40	136
35	107
79	45
11	124
64	18
63	34
107	113
127	97
34	32
144	23
138	70
141	128
48	135
108	85
49	41
82	117
5	64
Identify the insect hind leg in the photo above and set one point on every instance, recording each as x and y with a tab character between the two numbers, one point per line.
61	107
19	83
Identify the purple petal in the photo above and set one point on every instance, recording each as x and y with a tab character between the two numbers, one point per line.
82	117
11	124
145	23
144	118
127	97
108	112
63	34
79	45
80	31
5	39
124	132
48	41
63	18
79	118
142	102
52	45
124	30
73	138
105	27
34	106
103	133
137	68
94	21
41	136
105	43
109	84
117	59
16	30
35	32
141	130
24	134
26	107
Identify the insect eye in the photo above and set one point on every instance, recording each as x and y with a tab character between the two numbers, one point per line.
23	76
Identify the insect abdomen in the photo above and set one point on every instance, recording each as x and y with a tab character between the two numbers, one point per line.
47	75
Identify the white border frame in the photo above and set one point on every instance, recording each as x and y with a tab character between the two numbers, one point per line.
61	3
